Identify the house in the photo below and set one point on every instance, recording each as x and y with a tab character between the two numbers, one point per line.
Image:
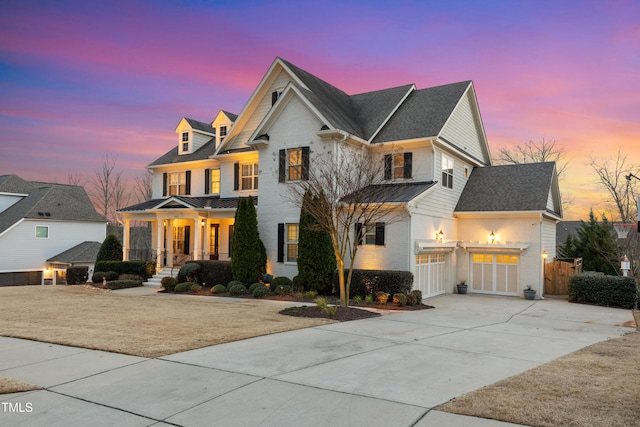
458	217
39	221
81	255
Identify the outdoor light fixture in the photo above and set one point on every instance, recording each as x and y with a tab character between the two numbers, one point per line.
492	237
439	236
544	254
202	222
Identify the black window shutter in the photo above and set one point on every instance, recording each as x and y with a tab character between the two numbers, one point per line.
187	181
236	176
187	240
388	162
164	184
207	179
230	238
282	166
281	242
274	97
379	233
358	231
407	165
305	163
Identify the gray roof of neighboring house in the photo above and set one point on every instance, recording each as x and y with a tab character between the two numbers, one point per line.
564	228
46	201
84	252
211	202
521	187
393	193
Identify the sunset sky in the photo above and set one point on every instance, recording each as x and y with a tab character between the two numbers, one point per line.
80	79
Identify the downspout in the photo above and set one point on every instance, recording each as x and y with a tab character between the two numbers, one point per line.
544	261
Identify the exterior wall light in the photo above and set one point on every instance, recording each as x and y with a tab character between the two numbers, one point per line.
492	237
544	254
439	236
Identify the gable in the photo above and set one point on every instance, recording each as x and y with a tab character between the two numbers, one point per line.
464	131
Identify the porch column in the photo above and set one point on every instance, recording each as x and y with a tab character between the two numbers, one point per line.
126	240
197	240
207	240
159	241
169	247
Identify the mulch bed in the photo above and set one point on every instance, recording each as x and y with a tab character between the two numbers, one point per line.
342	314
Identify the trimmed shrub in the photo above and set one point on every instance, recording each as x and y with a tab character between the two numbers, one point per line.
196	288
233	283
280	281
214	272
297	284
260	291
400	299
219	289
123	284
418	294
598	289
412	299
364	282
110	250
253	286
190	272
77	275
130	277
237	289
97	277
382	297
141	268
183	287
169	283
109	275
283	290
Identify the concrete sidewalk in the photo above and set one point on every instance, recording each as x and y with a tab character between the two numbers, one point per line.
387	371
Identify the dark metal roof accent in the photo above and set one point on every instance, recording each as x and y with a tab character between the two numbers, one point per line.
392	193
210	202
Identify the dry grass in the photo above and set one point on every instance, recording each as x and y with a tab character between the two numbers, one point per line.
148	326
596	386
9	385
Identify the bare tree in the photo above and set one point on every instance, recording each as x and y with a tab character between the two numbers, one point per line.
346	189
75	178
143	186
619	179
108	189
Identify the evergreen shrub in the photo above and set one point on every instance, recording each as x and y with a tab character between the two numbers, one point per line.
598	289
365	282
183	287
237	289
260	291
219	289
169	283
123	284
77	275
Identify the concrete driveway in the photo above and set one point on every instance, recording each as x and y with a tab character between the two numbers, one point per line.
387	371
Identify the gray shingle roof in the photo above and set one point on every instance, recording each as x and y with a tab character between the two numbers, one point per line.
195	124
231	116
521	187
172	156
47	201
423	113
84	252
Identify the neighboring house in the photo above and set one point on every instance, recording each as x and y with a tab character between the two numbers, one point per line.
458	218
38	221
82	255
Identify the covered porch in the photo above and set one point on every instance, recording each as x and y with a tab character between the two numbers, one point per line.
183	228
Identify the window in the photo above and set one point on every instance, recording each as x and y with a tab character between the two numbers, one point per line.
177	183
249	176
42	231
370	234
397	166
185	146
292	242
185	136
447	172
214	181
275	95
223	133
294	164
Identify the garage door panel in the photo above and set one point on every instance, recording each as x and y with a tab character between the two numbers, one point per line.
430	276
494	273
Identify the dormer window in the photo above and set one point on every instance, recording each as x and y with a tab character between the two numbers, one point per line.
185	142
223	133
185	136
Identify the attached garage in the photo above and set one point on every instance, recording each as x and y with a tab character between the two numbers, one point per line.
494	273
431	274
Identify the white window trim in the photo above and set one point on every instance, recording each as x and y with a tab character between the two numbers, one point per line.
36	231
288	242
211	181
182	182
254	176
298	166
445	160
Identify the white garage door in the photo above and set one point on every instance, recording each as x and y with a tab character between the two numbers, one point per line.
430	275
494	273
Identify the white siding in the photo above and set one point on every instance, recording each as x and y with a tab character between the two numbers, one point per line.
394	255
296	127
199	140
464	131
549	238
261	111
22	251
7	200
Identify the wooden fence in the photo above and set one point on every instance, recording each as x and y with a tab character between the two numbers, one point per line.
556	275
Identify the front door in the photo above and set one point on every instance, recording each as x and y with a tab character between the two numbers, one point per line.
213	241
